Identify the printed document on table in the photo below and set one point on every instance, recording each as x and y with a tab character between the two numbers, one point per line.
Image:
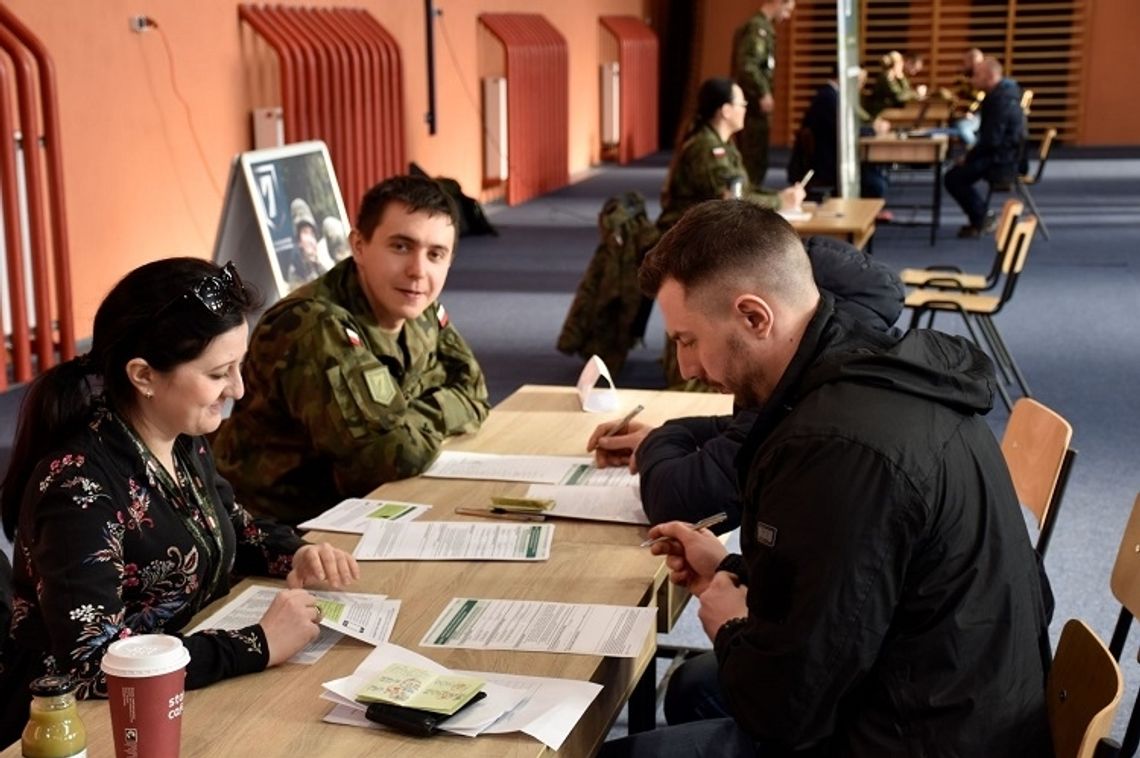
355	513
247	609
545	708
475	624
537	469
454	541
368	618
621	505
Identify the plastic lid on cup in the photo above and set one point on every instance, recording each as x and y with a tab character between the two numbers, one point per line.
145	655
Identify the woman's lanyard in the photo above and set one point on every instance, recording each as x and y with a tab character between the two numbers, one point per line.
193	504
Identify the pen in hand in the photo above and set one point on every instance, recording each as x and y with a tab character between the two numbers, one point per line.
704	523
621	425
806	178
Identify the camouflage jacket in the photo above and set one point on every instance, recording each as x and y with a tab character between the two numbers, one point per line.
335	406
889	93
703	169
754	58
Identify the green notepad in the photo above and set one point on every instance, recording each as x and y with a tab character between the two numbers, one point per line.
411	687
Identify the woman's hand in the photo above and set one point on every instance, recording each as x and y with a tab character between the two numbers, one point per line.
322	564
291	622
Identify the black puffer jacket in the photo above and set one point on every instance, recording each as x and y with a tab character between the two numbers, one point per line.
686	465
893	600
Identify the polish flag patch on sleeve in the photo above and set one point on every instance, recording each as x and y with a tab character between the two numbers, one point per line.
718	152
441	314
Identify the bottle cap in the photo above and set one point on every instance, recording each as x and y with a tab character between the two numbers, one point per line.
51	686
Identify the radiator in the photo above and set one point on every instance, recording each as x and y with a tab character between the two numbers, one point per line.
495	150
611	104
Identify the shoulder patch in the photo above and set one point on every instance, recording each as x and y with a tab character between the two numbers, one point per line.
441	314
381	386
353	337
718	151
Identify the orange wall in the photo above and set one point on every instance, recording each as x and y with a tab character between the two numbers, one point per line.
138	187
1110	113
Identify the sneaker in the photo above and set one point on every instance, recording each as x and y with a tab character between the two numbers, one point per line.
969	231
989	223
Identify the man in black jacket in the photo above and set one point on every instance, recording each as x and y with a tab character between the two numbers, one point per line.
886	601
995	155
686	464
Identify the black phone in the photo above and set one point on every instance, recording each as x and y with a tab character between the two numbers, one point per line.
413	721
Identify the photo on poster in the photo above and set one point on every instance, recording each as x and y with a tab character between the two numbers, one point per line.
299	211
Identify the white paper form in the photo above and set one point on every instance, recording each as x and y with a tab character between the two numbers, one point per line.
475	624
537	469
353	514
454	541
247	609
596	399
620	505
368	618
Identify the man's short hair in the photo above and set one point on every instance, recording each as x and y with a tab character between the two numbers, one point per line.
730	241
418	193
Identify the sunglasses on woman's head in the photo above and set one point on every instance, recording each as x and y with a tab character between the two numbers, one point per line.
219	293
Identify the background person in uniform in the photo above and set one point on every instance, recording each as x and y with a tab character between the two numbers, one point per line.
121	523
883	549
754	68
336	240
357	378
892	88
708	166
995	155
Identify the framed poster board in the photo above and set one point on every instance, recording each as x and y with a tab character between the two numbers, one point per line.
283	223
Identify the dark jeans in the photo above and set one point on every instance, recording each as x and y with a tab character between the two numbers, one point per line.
699	724
960	182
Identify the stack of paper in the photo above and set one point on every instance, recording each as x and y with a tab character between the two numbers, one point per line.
539	469
546	709
355	514
453	541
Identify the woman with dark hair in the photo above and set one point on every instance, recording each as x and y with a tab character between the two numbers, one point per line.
707	165
121	523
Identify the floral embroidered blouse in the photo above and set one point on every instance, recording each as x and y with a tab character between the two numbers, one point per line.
110	544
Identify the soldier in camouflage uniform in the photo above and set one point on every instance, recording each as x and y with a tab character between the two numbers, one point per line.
356	378
892	89
709	167
754	68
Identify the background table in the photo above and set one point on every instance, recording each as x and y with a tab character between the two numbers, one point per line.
851	220
914	151
278	713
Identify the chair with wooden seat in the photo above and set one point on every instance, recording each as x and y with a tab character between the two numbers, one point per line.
952	277
979	309
1125	585
1082	692
1037	449
1026	101
1023	182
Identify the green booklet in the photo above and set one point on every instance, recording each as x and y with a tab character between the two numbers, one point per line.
411	687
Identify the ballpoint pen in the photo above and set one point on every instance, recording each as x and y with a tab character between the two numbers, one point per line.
499	513
621	425
702	524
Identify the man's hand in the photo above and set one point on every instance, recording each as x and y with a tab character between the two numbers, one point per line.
722	600
619	449
767	103
692	556
792	198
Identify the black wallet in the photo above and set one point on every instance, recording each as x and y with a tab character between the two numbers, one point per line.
413	720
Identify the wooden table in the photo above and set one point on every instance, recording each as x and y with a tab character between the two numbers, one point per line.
915	151
277	712
851	220
918	114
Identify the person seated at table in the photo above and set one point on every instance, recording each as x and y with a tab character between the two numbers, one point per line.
883	550
996	155
121	523
817	143
707	165
356	378
892	89
686	464
967	99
